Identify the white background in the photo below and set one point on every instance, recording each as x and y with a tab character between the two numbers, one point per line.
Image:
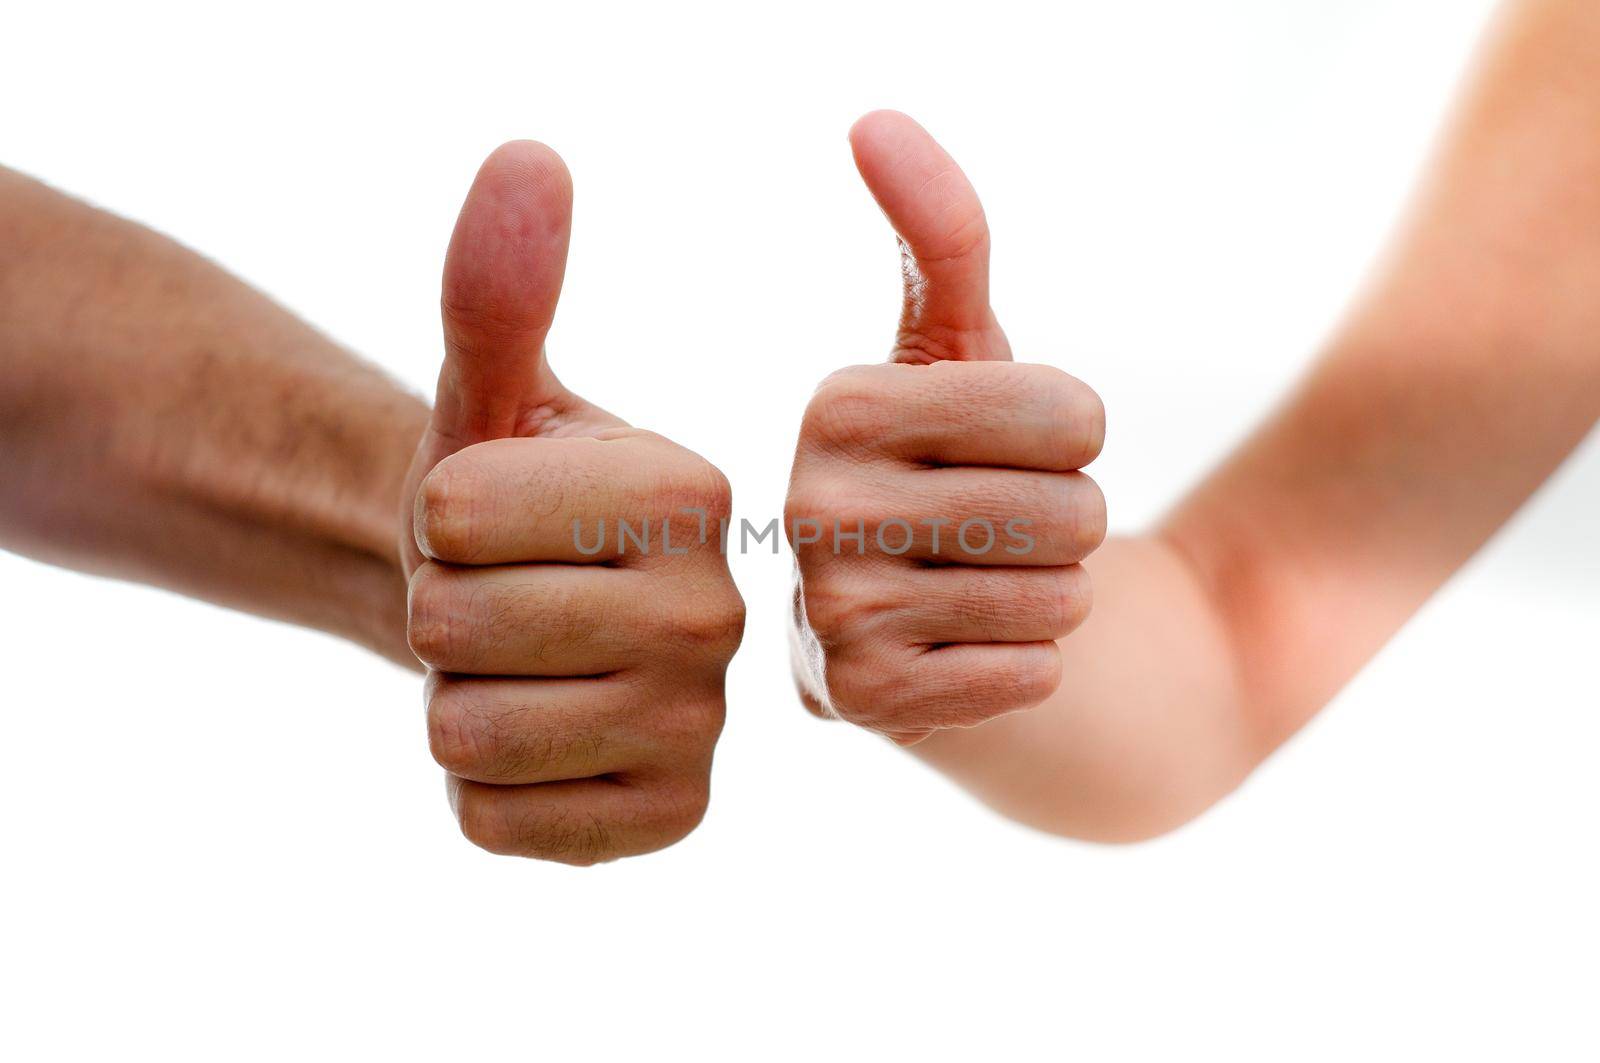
225	839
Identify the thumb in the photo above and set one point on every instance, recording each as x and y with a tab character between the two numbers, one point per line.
502	278
944	242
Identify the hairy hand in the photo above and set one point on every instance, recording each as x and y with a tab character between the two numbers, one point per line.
575	686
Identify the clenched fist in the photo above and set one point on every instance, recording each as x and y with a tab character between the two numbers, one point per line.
575	686
935	508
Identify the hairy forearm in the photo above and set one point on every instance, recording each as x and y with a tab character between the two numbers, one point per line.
1462	378
165	423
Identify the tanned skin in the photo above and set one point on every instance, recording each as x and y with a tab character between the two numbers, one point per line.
162	422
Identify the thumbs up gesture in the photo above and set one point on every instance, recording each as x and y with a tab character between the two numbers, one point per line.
936	509
568	592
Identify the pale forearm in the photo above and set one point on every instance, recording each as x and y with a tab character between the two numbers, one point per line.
1461	380
163	422
1147	728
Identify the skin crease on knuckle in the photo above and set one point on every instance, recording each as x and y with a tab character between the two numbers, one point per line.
581	838
475	738
860	687
956	688
872	676
451	507
434	625
1085	518
653	720
908	697
575	839
681	479
707	488
454	613
830	494
846	608
878	678
990	690
848	410
1078	421
1058	598
714	621
685	478
639	818
701	610
696	497
1069	595
480	820
454	731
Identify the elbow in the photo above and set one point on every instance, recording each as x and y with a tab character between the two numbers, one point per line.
1137	828
1115	827
1135	807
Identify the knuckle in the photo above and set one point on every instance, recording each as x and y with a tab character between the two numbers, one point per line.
863	690
523	754
578	837
709	719
809	499
714	622
1079	597
677	807
454	738
994	689
1075	518
453	508
433	625
476	739
847	694
689	809
483	824
1078	417
1062	598
581	839
819	509
1088	516
731	621
990	690
688	727
798	503
847	409
697	484
1032	682
1093	424
717	490
835	616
